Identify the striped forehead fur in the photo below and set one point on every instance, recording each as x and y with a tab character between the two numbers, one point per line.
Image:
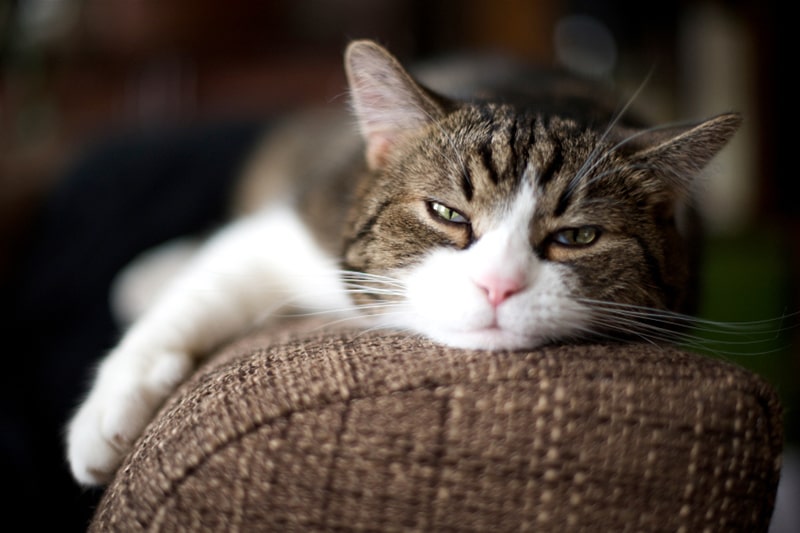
475	159
502	145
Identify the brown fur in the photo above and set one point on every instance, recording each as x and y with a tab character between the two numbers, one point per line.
587	166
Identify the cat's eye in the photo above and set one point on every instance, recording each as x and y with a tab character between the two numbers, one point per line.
582	236
447	213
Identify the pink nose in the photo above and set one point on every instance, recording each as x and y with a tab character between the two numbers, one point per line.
499	289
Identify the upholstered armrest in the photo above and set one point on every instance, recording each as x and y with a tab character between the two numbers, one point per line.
358	431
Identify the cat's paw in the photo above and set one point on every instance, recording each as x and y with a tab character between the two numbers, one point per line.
101	434
121	403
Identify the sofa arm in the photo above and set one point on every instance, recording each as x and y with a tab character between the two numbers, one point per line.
356	431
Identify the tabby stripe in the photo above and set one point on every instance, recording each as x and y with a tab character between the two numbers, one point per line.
366	228
521	163
653	268
488	162
563	202
486	150
555	164
512	148
466	185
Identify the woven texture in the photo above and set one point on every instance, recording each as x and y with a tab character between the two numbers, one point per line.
374	432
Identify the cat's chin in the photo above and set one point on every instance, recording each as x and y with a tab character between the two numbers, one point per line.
490	338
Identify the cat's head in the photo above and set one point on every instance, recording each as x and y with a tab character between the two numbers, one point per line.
490	225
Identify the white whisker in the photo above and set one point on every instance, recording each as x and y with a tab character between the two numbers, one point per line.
693	332
649	312
592	160
616	170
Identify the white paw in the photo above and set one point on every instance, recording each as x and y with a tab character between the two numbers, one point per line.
124	398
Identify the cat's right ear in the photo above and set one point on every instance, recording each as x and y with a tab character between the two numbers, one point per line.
387	102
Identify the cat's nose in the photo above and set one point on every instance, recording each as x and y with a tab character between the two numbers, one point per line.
499	289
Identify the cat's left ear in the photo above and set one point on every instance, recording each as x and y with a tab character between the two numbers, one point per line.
680	153
388	103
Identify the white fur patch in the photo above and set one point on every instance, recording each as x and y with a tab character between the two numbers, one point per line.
445	299
247	272
138	286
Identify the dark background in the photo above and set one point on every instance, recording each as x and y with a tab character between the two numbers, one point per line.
123	122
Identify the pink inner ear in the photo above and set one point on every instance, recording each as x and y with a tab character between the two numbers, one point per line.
378	146
387	101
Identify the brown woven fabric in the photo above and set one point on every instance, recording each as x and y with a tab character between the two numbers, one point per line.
374	432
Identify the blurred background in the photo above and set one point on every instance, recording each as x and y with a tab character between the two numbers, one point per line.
87	86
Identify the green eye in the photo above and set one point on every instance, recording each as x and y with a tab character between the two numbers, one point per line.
447	213
583	236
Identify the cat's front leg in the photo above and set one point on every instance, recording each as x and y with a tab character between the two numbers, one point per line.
251	268
132	381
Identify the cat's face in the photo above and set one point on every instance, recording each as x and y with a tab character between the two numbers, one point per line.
485	225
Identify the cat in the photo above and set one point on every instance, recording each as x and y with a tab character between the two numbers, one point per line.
519	216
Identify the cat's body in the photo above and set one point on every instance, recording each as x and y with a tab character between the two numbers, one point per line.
502	222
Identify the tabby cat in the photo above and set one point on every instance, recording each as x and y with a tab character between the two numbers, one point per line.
521	215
